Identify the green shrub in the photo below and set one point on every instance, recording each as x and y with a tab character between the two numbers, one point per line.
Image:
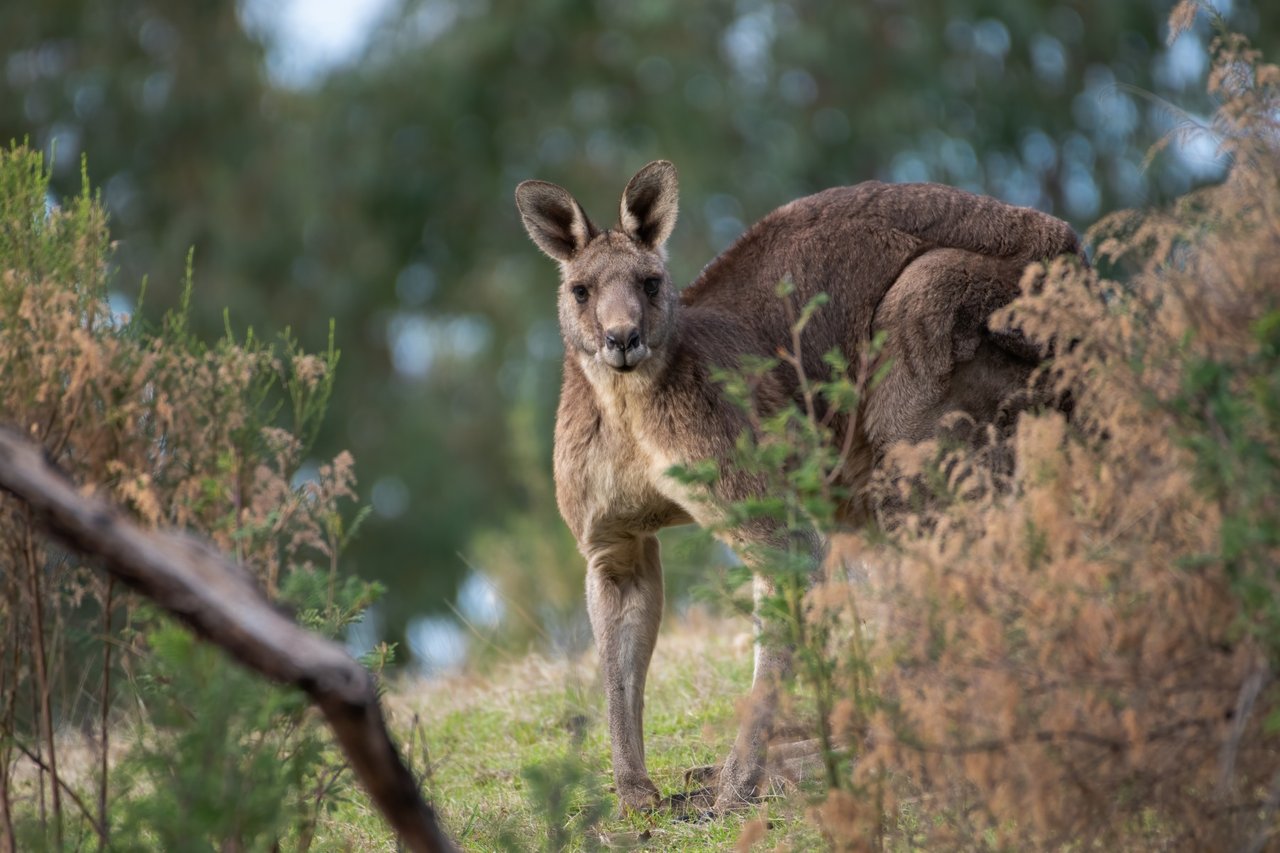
222	758
1083	650
210	439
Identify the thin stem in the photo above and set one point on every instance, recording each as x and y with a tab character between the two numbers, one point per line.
7	841
68	428
8	844
10	693
42	676
44	808
792	358
323	787
335	544
34	758
105	707
846	447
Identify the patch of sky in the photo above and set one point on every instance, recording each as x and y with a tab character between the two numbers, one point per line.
1183	64
723	213
306	39
418	340
478	601
390	497
121	308
747	45
415	284
1048	59
908	167
438	643
364	633
991	38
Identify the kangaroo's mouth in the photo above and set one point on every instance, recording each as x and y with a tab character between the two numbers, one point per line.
624	360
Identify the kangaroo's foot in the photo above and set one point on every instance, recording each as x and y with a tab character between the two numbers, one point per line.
739	783
637	794
788	764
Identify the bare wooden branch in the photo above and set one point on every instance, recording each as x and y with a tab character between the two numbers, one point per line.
223	603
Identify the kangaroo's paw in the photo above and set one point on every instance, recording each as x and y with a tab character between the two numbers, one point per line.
637	795
739	782
690	805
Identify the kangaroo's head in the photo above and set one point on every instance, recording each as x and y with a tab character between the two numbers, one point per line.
617	303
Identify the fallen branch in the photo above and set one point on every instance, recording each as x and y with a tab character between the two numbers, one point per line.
223	603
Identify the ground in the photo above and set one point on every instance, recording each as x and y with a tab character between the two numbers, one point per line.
497	751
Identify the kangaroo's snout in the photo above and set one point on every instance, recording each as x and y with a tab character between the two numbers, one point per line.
623	349
622	338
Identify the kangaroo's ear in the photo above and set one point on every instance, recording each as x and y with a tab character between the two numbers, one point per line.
554	219
649	203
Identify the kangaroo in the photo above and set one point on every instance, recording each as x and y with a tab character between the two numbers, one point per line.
928	264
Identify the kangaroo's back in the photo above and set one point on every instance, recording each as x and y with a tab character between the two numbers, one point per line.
852	243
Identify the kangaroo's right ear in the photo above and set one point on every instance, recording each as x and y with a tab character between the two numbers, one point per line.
554	219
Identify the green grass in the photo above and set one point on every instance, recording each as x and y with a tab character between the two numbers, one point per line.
496	750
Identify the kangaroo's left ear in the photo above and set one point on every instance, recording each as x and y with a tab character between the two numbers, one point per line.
648	210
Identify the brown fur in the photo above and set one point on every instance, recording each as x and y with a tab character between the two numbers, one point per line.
926	263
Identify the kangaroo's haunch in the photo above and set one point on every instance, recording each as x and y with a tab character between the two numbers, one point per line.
925	263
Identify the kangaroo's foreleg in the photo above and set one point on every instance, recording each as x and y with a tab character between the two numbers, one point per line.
624	603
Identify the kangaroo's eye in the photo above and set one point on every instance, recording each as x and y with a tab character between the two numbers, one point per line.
651	285
579	293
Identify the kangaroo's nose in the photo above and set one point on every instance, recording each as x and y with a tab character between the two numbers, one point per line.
622	338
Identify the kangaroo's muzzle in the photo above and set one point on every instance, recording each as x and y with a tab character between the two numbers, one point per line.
623	349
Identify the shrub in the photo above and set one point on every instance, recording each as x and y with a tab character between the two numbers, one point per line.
206	438
1078	648
1086	653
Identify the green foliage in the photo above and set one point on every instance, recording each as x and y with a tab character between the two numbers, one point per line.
224	760
567	797
795	449
1229	411
182	434
38	243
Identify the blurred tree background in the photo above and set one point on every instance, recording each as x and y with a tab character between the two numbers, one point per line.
375	187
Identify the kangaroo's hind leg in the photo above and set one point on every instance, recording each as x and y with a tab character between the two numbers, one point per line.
944	358
745	771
